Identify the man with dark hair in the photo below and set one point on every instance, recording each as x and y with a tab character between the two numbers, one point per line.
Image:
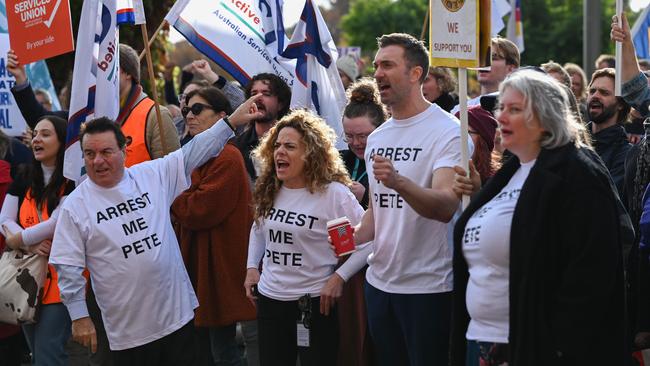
408	281
605	61
117	224
274	104
607	113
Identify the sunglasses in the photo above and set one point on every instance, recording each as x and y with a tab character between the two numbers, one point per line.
196	109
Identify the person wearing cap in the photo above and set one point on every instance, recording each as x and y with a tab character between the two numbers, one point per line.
348	70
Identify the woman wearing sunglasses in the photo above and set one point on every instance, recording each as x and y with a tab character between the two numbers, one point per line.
213	220
303	184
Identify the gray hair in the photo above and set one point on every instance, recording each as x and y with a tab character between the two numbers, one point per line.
545	99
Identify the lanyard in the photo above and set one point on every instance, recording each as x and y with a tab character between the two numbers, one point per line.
356	169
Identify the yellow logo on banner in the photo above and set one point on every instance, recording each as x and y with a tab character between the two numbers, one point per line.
453	5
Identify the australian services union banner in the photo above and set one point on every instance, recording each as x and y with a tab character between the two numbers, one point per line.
238	27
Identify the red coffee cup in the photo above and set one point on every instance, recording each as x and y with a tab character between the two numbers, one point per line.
340	231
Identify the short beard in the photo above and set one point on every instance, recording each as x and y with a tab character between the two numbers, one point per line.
267	118
605	115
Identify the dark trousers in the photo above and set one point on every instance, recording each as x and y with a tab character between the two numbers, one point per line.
409	329
277	327
177	348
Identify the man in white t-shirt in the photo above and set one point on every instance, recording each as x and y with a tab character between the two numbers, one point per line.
117	225
409	279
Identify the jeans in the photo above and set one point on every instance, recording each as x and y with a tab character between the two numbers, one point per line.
47	338
225	350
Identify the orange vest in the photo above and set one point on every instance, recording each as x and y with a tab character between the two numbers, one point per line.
28	216
134	128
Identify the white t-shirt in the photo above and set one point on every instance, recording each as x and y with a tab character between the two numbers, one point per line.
292	239
124	236
411	253
486	246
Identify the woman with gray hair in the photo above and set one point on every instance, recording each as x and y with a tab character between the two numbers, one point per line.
538	271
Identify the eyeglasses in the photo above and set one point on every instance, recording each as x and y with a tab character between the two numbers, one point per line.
361	137
196	109
304	305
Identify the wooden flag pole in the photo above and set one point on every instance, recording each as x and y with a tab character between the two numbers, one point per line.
426	22
464	133
153	38
152	79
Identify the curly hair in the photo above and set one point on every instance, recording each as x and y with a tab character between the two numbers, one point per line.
323	163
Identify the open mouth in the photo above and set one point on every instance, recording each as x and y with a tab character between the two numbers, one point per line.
595	106
37	148
281	165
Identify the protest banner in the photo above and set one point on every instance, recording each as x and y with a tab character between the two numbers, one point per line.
230	33
39	29
11	120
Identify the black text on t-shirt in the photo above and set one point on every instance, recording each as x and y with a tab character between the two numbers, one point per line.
397	153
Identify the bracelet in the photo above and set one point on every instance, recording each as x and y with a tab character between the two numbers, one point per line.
225	119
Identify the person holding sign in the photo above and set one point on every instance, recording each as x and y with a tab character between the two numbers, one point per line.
412	155
117	223
302	185
28	219
535	283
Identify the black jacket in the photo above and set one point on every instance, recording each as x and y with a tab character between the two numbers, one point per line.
246	143
30	108
566	268
612	146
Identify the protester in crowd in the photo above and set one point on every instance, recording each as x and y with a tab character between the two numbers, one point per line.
557	72
607	113
348	70
43	97
578	87
363	113
202	69
274	103
213	223
482	127
505	59
636	92
439	87
117	223
540	285
408	281
181	123
605	61
302	185
28	219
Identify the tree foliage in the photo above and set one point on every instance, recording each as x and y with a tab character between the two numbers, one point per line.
369	19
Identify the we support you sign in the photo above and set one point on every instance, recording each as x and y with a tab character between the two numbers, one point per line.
459	33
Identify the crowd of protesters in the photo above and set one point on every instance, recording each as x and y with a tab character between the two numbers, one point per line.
202	239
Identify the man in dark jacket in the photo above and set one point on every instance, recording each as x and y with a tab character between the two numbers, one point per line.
606	115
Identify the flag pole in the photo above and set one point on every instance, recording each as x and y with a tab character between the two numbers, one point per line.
153	38
619	52
426	22
464	130
152	78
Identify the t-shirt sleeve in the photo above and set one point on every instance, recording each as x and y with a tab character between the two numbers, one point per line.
256	246
68	245
168	170
348	206
447	150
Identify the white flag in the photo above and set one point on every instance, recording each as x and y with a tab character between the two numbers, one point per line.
130	12
317	85
95	78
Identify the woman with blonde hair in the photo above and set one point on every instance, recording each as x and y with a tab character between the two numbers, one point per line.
303	184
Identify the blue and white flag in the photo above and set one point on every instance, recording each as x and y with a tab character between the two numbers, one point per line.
318	85
95	78
130	12
640	32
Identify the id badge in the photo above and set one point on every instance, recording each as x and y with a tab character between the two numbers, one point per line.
302	335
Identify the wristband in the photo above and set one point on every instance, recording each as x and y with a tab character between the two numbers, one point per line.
225	119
